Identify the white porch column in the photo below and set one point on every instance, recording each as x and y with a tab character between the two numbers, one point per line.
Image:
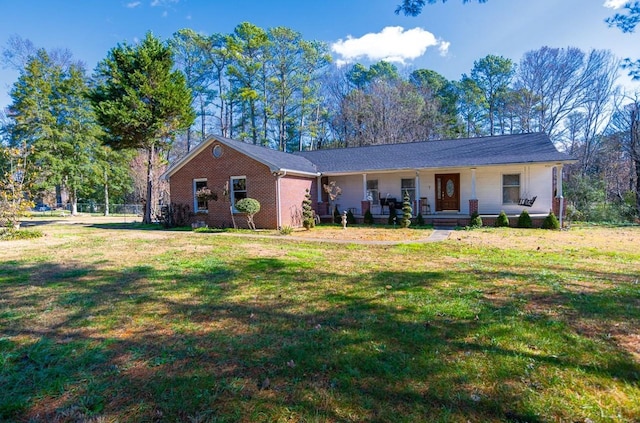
559	181
473	183
417	185
364	187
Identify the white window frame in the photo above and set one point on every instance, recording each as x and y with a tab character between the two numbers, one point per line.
373	193
410	190
519	186
196	209
232	191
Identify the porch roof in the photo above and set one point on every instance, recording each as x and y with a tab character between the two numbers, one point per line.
465	152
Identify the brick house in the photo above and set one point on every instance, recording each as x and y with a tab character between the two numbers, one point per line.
446	180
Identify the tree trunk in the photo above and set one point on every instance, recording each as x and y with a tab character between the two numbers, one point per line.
637	164
147	205
74	201
106	193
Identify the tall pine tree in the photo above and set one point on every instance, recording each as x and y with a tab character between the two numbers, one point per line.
141	102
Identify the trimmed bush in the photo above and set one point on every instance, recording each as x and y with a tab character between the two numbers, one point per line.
249	206
351	219
419	220
476	220
524	220
368	218
308	220
551	222
407	211
502	221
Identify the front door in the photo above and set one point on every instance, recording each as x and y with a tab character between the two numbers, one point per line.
448	192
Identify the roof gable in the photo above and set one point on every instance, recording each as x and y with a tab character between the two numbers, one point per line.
277	161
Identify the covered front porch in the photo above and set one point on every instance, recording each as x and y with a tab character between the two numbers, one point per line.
448	196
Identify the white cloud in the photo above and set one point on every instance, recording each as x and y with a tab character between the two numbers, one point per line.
164	3
392	44
615	4
444	48
133	4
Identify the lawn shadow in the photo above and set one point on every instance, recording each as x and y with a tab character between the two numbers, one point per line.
259	339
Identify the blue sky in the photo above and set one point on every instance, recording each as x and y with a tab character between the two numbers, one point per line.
446	38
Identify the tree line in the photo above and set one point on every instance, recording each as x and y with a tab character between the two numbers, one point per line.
273	88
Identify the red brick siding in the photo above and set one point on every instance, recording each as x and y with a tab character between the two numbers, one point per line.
292	192
261	185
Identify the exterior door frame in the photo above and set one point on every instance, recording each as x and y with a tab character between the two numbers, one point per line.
447	195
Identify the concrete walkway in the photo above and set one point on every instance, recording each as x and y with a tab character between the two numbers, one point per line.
439	235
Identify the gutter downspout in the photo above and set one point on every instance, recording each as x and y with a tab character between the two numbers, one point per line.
559	194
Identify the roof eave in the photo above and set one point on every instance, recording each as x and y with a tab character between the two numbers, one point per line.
456	166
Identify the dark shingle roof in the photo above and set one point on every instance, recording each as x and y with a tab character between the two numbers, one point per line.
481	151
276	160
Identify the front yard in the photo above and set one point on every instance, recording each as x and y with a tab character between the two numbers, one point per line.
109	323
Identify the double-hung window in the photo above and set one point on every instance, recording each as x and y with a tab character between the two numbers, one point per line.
372	191
408	186
511	188
198	204
238	189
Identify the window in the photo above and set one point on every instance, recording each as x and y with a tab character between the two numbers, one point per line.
238	189
510	189
217	151
372	191
199	205
408	186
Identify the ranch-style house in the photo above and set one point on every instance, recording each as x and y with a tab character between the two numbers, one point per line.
446	180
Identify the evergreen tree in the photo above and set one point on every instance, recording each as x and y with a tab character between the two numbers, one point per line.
52	117
141	102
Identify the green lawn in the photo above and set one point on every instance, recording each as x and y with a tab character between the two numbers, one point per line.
121	323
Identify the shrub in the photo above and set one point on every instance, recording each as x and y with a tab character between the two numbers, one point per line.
351	219
407	211
368	217
286	230
392	216
524	220
308	220
502	221
337	218
207	230
551	222
14	234
419	220
175	215
250	206
476	220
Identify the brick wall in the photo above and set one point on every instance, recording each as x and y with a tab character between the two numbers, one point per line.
261	185
292	192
